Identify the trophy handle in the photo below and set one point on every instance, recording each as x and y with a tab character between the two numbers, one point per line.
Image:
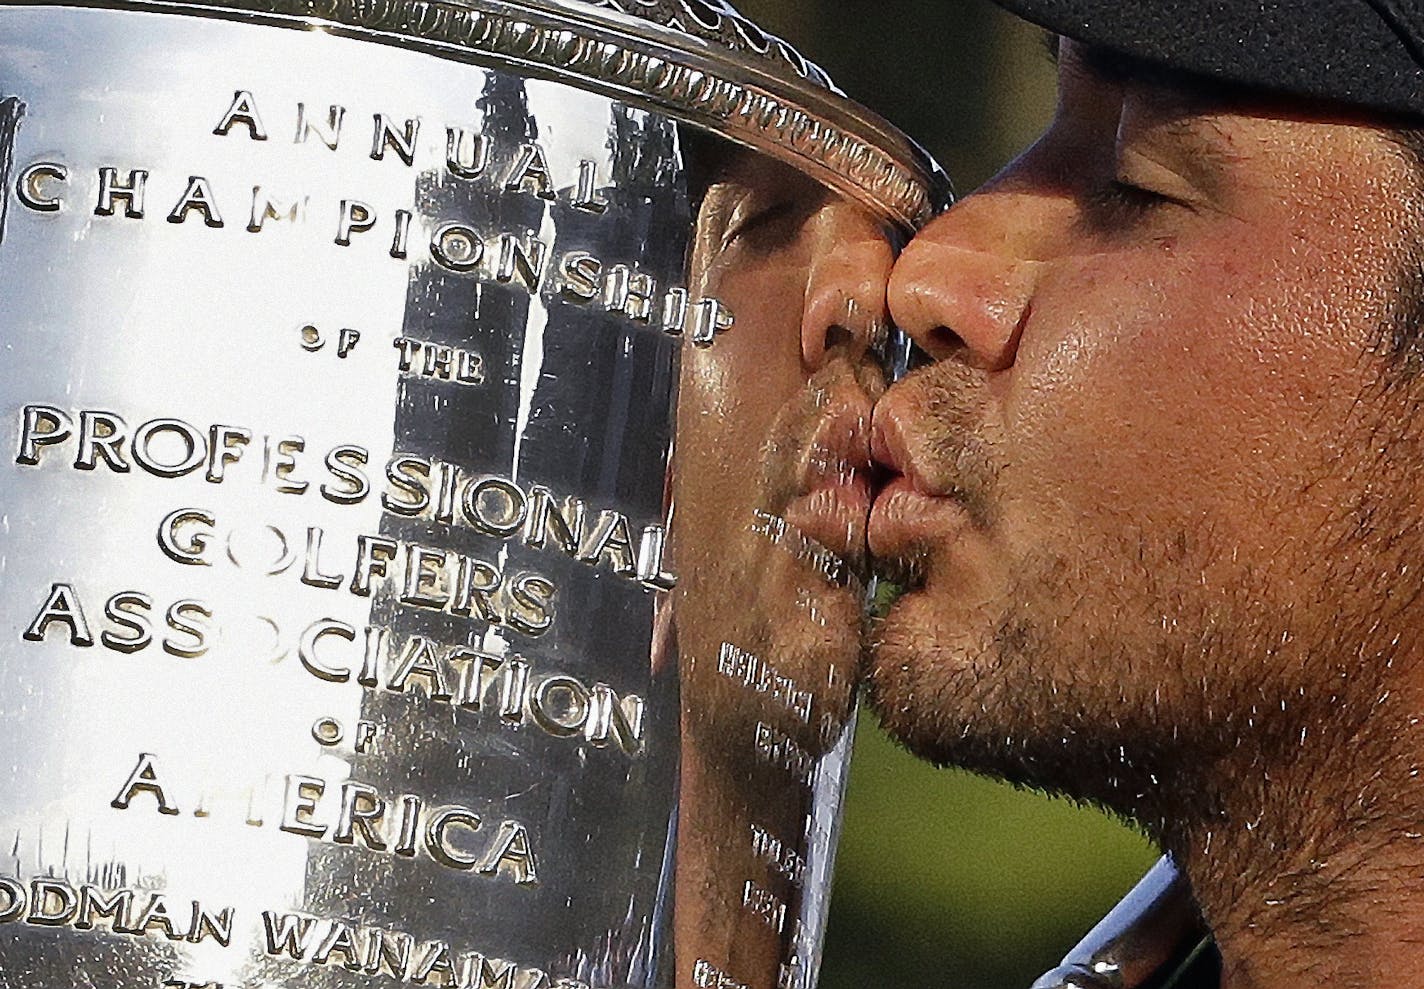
1153	939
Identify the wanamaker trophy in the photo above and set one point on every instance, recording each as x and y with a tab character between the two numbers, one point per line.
433	493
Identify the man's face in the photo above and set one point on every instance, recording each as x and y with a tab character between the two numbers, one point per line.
772	485
771	489
1151	489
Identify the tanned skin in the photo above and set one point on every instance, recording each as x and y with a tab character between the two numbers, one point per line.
1156	495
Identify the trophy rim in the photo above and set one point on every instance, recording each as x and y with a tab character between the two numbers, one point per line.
790	115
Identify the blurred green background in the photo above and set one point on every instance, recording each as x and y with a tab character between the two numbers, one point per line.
945	880
969	82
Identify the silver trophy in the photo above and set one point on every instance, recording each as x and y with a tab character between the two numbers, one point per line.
433	501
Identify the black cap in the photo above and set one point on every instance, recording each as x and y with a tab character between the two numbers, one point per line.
1366	53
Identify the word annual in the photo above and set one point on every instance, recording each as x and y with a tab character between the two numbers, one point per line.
510	257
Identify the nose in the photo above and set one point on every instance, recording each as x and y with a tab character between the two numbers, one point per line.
845	306
963	288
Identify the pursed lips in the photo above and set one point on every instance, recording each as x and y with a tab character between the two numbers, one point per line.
835	478
909	513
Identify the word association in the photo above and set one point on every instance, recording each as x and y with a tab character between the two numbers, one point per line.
506	257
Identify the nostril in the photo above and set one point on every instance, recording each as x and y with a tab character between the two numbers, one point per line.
942	342
839	336
828	341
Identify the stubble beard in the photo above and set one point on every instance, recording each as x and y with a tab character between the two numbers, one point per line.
1250	730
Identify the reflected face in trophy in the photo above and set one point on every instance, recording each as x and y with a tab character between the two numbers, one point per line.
772	488
1147	495
771	493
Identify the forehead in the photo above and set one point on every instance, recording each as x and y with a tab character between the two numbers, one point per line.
1121	75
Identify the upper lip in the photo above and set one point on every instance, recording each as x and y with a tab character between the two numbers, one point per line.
891	452
913	510
833	485
839	450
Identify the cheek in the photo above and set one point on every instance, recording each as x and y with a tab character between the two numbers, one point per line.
1184	388
733	393
757	363
749	372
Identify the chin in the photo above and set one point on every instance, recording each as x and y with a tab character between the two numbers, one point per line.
927	668
813	636
972	686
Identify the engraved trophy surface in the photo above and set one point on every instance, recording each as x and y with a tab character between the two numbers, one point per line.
432	514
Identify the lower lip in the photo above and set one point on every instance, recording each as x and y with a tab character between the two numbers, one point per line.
904	521
834	515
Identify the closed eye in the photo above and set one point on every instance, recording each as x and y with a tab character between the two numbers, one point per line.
764	228
1119	203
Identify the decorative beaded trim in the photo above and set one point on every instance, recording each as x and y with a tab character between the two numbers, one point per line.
719	22
695	60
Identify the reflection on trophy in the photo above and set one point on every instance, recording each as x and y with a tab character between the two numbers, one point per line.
433	523
772	606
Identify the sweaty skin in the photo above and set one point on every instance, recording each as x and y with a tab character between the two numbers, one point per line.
1154	495
771	491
